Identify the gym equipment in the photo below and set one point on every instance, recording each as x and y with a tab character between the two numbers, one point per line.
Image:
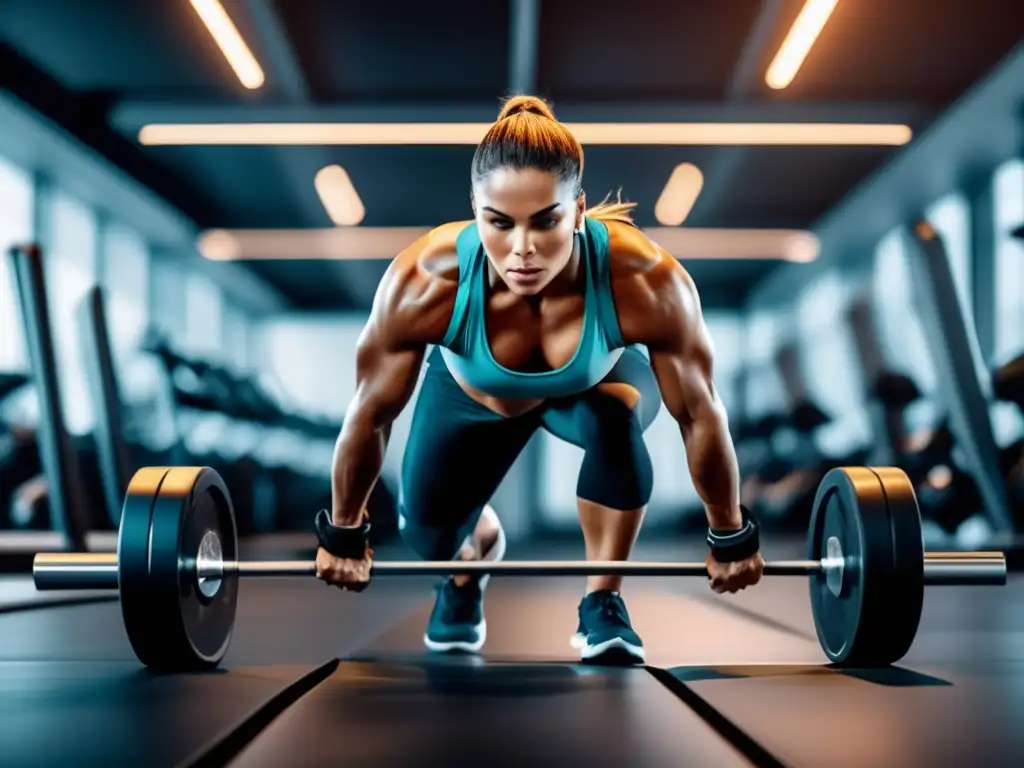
1008	386
177	569
69	513
787	502
19	451
953	349
113	454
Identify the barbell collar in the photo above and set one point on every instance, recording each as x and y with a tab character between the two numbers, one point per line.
78	571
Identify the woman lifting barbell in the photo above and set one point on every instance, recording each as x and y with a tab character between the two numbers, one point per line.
536	308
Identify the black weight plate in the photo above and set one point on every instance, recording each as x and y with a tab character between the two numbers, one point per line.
906	591
172	624
851	507
141	618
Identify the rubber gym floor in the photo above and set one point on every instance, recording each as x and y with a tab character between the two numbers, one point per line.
319	677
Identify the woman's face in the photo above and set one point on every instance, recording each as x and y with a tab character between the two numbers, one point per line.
526	219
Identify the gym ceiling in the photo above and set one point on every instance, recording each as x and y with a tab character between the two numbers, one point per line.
106	69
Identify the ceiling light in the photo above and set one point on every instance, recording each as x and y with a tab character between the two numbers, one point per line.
230	42
339	197
358	243
680	193
746	244
410	134
798	42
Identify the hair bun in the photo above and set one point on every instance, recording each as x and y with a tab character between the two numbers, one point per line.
518	104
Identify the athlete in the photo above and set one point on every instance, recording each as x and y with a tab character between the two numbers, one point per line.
537	310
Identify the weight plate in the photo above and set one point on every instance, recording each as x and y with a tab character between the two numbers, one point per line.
905	594
173	621
133	558
850	507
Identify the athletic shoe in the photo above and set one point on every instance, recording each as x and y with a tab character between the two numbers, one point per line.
604	634
457	622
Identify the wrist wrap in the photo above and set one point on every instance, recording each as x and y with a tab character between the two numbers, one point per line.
350	542
729	546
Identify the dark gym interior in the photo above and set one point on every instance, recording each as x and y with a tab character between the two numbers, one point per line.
198	201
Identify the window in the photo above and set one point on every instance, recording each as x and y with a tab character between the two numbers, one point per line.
764	332
70	267
1008	191
167	297
829	366
764	392
203	318
950	216
125	279
899	327
236	338
16	199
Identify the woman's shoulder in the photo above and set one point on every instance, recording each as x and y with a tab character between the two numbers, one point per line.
646	281
436	253
419	287
633	255
432	257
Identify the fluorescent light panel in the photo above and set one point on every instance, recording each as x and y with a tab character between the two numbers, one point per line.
798	42
230	42
339	197
680	193
345	243
675	134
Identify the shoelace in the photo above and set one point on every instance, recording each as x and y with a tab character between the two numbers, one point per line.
456	603
611	609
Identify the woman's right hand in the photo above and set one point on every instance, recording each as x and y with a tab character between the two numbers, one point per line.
344	573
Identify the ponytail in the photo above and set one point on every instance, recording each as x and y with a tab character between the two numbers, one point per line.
527	135
613	211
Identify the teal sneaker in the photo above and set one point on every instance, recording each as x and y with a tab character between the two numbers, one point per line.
457	622
604	634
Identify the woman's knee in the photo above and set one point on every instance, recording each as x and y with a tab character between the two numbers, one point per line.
617	470
625	393
431	537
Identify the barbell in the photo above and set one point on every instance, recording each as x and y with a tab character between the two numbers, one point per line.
177	567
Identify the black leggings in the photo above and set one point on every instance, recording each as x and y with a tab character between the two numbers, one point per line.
458	451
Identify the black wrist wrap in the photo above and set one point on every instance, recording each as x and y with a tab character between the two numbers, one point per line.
731	546
342	541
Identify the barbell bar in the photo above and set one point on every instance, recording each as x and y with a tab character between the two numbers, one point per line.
72	571
177	567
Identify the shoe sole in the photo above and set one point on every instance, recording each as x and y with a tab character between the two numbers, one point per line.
455	646
613	650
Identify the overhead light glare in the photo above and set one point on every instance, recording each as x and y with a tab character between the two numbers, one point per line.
339	196
680	193
798	42
357	243
230	42
625	134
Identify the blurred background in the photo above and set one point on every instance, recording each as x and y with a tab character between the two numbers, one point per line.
214	190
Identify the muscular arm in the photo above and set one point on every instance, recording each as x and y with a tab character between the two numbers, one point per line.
683	362
386	375
408	310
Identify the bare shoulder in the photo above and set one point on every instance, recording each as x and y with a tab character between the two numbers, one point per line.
416	295
655	296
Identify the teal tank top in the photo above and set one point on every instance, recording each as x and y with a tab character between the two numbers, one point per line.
467	352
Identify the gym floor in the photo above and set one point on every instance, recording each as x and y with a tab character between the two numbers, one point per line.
315	676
